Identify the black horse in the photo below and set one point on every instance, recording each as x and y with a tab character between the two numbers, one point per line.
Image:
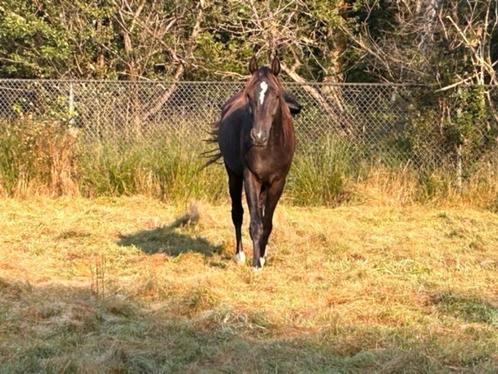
256	141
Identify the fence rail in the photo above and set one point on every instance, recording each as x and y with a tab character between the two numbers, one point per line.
383	122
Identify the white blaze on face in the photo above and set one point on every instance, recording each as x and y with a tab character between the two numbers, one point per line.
264	86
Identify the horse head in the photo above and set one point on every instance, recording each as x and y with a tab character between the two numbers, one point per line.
265	97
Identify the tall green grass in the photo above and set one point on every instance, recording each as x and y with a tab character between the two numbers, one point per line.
322	172
165	170
48	158
38	157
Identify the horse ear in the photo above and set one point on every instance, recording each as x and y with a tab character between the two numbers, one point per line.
253	65
275	66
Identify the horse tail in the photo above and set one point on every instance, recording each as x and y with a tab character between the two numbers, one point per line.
212	155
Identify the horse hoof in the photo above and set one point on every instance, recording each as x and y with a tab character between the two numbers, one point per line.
256	270
240	258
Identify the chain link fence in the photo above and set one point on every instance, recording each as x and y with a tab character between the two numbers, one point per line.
392	124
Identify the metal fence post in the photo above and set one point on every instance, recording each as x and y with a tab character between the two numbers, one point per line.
71	104
459	168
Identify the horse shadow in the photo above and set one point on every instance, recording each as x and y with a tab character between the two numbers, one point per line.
165	239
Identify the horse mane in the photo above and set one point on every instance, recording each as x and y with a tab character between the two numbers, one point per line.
239	99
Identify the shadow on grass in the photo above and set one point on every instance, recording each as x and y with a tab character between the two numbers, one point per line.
167	240
467	308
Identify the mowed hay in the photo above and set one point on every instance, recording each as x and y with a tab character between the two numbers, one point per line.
131	284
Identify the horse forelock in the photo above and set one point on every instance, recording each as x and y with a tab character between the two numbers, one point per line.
240	98
263	74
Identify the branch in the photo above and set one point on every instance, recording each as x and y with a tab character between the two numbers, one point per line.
156	107
316	95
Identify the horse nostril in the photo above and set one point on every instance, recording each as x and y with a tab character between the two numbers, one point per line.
258	137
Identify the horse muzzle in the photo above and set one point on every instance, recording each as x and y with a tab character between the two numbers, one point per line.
259	138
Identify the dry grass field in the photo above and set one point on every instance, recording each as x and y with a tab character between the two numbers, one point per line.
117	285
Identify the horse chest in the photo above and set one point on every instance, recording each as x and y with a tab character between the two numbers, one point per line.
267	165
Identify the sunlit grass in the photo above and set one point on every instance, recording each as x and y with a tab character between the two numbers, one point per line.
356	288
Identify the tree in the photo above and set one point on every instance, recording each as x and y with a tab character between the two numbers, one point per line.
438	42
30	46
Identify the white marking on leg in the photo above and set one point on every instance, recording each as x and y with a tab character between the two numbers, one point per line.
240	258
262	261
264	86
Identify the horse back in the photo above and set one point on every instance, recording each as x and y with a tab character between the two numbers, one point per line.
234	123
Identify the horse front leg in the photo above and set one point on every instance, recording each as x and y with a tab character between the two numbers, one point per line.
252	188
273	194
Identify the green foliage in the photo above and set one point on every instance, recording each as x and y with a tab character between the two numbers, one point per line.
108	39
471	116
31	46
320	173
319	39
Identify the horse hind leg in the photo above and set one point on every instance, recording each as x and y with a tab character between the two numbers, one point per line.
235	186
